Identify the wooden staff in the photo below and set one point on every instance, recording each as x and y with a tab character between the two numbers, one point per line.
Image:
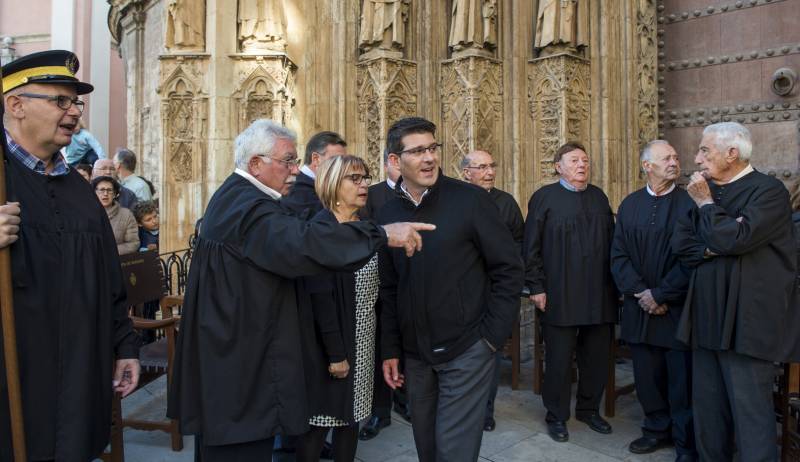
7	316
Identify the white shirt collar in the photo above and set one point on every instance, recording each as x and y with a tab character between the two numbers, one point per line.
653	193
747	170
391	184
307	170
261	186
410	197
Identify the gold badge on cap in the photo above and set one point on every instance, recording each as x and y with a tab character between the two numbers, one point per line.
72	64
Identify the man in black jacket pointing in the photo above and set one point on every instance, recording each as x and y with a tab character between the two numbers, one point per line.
448	308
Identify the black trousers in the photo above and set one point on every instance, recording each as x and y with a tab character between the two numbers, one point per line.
382	395
732	395
591	345
663	379
448	404
253	451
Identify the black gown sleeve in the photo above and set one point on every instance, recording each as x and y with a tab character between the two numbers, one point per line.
627	278
126	340
685	242
535	279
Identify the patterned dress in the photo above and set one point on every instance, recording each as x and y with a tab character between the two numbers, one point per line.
367	284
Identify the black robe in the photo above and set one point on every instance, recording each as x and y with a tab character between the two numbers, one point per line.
511	214
642	258
71	317
377	195
567	243
238	372
302	199
743	299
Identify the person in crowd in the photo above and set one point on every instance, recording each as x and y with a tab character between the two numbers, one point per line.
741	313
302	199
105	167
240	312
146	214
479	168
125	166
122	221
654	284
448	309
567	245
338	325
382	396
84	147
75	347
86	171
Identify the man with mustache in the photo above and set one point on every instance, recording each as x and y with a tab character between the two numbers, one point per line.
75	342
741	313
654	285
568	236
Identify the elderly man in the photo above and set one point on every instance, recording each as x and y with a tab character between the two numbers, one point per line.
568	236
741	314
302	198
448	309
69	296
654	285
238	379
479	168
105	167
125	166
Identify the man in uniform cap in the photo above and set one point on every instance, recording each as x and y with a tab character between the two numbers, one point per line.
75	342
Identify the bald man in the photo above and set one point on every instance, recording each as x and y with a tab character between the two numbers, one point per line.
479	168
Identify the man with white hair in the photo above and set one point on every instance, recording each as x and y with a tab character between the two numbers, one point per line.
740	315
654	283
238	378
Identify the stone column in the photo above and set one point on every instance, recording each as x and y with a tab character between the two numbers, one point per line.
471	86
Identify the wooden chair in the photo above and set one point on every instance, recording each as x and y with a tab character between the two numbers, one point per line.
612	391
789	412
512	348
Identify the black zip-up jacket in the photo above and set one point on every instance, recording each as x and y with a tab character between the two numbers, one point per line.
463	286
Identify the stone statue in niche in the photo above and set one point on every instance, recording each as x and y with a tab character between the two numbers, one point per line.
473	25
262	25
186	20
562	25
383	25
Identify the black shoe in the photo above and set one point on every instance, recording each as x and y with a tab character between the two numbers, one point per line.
596	423
489	424
557	430
648	444
404	411
373	427
327	451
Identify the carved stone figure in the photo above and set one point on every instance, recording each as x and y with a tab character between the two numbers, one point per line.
262	25
383	25
186	20
562	24
473	25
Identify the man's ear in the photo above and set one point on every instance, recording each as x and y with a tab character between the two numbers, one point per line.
13	106
645	166
316	159
732	154
394	160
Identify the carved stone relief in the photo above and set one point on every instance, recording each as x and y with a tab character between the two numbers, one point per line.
383	28
261	25
646	64
265	89
473	27
562	25
186	21
472	109
559	102
387	92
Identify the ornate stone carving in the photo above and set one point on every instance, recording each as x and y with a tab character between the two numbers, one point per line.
559	102
562	25
473	27
184	108
472	109
387	92
262	25
186	21
646	63
383	28
265	89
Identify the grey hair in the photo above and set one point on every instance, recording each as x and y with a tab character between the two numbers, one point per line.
647	151
465	161
259	138
731	135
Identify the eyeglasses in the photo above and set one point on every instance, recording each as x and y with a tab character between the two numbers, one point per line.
483	167
63	102
433	149
104	191
358	178
288	163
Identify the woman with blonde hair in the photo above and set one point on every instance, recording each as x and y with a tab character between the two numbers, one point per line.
338	324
